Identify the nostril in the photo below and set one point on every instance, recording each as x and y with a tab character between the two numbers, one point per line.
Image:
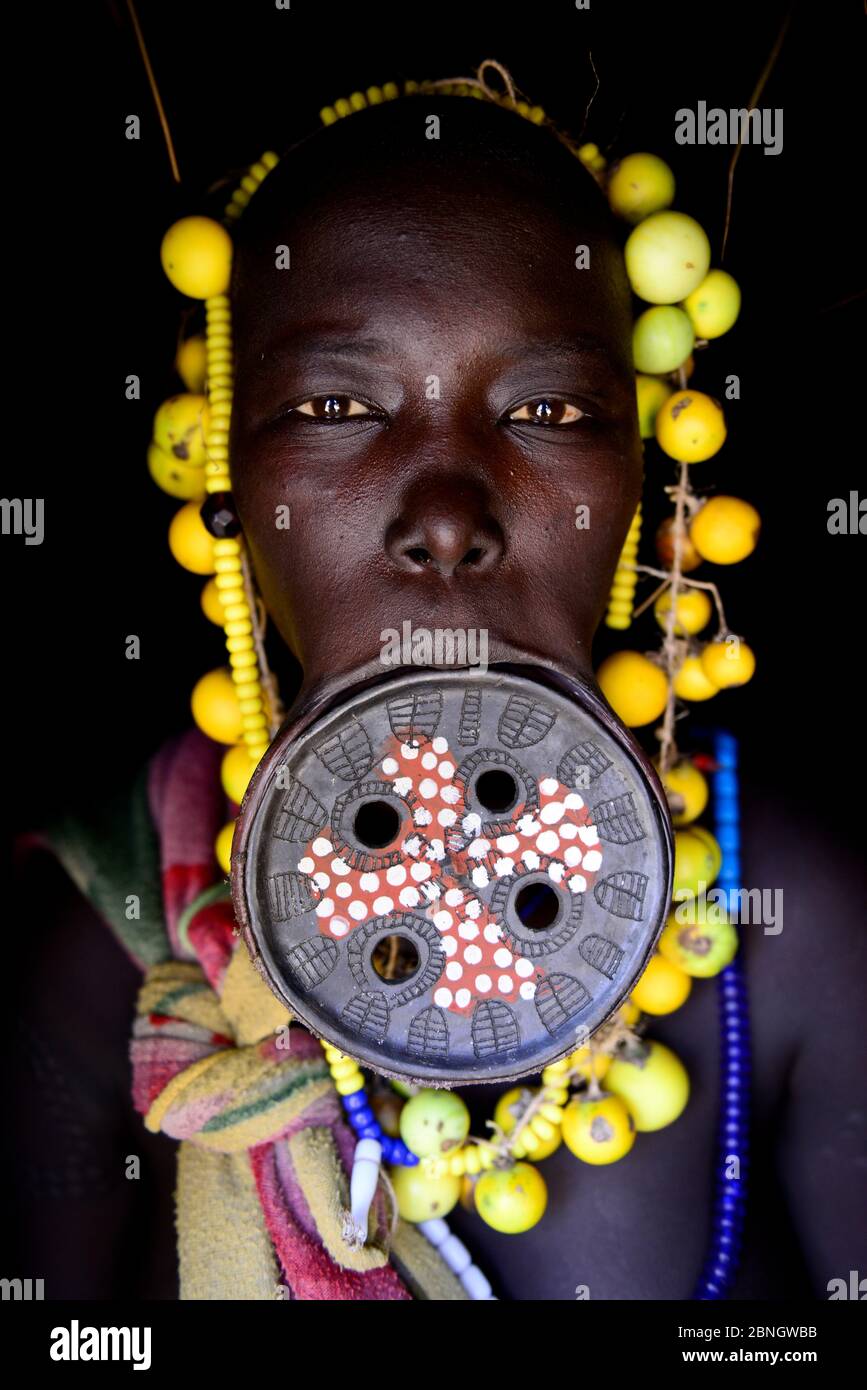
473	556
418	555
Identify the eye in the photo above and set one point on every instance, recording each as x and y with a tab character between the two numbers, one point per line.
545	411
331	408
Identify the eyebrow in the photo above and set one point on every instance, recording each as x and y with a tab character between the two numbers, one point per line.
321	343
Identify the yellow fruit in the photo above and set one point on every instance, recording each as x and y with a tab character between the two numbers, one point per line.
235	772
511	1200
629	1013
714	305
506	1118
174	477
598	1131
667	257
196	254
420	1198
725	530
701	949
586	1063
223	847
689	556
179	429
690	427
711	843
662	339
730	662
692	611
190	541
191	363
691	683
687	791
211	605
635	687
639	185
651	394
215	707
662	988
654	1087
697	861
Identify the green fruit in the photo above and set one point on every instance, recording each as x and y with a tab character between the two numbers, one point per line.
667	257
701	949
654	1086
420	1198
433	1123
639	185
662	339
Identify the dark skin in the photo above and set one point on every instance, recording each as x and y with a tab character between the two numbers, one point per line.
449	513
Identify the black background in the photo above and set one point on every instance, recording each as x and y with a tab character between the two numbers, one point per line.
87	208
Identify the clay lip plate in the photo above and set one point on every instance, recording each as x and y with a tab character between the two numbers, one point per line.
493	999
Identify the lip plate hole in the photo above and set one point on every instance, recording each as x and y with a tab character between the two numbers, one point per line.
376	824
496	790
537	906
395	958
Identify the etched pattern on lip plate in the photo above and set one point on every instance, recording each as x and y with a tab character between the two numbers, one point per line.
523	876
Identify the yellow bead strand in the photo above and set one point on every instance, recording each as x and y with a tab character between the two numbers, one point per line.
622	598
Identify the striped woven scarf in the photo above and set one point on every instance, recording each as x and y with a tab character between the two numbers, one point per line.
264	1152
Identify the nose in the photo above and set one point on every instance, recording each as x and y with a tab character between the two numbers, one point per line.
448	529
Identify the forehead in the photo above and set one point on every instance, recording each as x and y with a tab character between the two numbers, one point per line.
466	240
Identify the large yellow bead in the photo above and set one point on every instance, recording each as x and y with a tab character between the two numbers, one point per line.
223	847
174	477
730	662
215	707
691	682
725	530
191	363
196	253
506	1116
511	1200
690	427
692	611
714	306
635	687
654	1086
667	257
190	541
235	772
687	791
662	988
651	394
179	428
639	185
420	1198
211	605
598	1131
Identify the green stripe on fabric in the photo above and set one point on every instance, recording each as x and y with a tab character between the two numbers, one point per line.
213	894
256	1107
163	1006
111	853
